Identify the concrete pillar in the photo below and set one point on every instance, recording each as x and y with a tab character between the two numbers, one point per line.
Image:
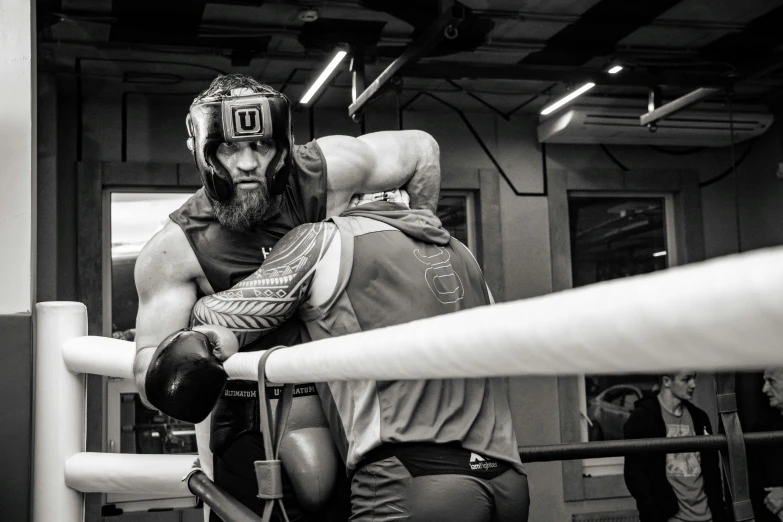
17	222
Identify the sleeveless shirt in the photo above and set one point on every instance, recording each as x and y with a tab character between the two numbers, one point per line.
398	265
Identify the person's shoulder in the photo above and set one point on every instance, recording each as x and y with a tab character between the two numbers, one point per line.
309	151
698	416
646	406
315	230
333	142
336	149
648	402
308	159
166	258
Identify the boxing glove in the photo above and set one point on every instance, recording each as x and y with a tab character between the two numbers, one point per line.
185	379
224	342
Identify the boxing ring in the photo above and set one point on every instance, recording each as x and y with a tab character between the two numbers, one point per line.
721	315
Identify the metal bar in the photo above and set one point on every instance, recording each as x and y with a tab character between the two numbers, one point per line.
358	82
223	504
673	107
617	448
448	20
653	98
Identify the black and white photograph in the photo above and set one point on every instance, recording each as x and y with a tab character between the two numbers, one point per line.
391	260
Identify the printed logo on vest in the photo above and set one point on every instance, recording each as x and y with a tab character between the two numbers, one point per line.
300	390
443	281
477	462
274	392
242	394
247	120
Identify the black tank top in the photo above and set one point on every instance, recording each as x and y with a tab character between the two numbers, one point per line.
227	257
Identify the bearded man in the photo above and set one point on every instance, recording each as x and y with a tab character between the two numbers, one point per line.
258	185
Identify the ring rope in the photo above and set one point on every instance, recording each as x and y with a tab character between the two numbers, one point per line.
723	314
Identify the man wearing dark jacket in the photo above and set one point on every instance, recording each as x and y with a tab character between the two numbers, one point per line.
674	487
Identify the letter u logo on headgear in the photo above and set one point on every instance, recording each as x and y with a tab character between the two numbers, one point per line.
247	120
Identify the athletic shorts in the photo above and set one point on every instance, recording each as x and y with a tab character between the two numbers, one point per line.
416	487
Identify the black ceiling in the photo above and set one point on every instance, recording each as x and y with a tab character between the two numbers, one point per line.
499	50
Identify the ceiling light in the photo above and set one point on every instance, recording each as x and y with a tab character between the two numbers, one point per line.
327	72
565	99
659	254
616	69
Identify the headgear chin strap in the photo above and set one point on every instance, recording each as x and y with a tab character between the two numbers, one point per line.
250	117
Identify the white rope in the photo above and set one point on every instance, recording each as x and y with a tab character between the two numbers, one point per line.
129	473
100	355
723	314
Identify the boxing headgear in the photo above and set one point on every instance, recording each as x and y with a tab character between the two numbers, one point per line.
250	117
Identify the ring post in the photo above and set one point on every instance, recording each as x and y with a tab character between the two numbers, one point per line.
59	415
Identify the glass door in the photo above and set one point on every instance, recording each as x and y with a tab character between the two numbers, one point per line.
615	235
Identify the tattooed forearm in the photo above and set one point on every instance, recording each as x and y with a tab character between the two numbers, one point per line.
244	337
272	294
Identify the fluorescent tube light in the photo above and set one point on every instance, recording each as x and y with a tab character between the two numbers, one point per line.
616	69
324	76
562	101
659	254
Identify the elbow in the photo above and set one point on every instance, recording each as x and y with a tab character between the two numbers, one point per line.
429	146
428	165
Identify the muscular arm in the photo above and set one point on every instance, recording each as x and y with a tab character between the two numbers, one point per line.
167	274
266	298
382	161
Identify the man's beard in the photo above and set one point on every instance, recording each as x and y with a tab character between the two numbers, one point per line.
247	208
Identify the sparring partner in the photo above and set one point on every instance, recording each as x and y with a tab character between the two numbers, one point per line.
425	450
258	185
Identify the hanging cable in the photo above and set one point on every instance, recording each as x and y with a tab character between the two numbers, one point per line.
736	178
729	170
478	99
481	143
531	99
613	158
676	152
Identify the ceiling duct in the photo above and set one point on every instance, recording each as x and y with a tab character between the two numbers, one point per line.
620	126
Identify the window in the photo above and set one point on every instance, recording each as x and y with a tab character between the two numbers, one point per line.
677	195
456	210
135	218
614	236
131	427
